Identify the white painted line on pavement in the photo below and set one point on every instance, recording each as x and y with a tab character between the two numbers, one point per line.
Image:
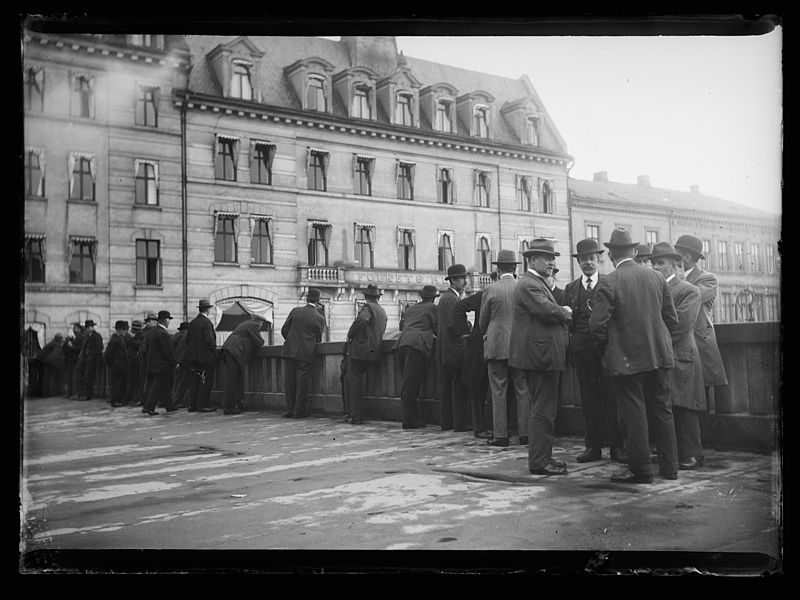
91	453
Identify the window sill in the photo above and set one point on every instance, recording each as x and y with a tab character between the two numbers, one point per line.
225	264
36	198
261	265
67	288
79	201
145	286
147	206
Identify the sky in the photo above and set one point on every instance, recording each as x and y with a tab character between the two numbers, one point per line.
684	110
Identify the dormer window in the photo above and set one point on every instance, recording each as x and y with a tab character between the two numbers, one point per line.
241	80
443	117
315	94
480	117
404	114
361	102
532	130
154	42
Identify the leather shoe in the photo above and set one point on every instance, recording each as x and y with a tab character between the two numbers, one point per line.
149	412
287	415
690	464
618	454
589	455
523	440
482	435
672	476
207	409
550	468
627	477
501	442
172	409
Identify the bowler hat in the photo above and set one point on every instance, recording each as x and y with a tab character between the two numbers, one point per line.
456	271
204	303
429	291
372	291
643	251
136	325
587	246
164	314
506	257
541	246
88	323
620	238
183	326
151	317
664	249
121	325
313	294
689	242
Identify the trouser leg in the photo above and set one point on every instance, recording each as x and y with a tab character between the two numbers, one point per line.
117	386
358	369
632	409
591	392
477	397
158	390
522	394
543	407
687	433
412	365
290	383
657	396
233	383
498	384
445	398
301	408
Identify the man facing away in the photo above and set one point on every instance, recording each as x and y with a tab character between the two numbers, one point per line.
632	316
302	331
72	348
201	359
180	382
160	366
364	347
132	342
450	353
116	359
91	356
238	350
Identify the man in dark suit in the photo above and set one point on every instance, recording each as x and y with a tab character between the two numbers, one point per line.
237	351
201	358
687	390
418	326
302	331
150	325
450	352
632	316
180	383
364	348
132	342
91	356
643	254
597	397
116	359
538	347
160	366
71	350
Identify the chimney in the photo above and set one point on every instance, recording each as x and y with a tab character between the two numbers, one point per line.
378	52
694	188
600	176
644	180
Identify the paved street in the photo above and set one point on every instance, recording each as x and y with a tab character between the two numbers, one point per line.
96	477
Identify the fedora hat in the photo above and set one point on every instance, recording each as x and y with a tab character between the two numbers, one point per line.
313	294
121	325
136	325
506	257
456	271
151	317
183	326
372	291
664	249
690	242
587	246
164	314
541	246
204	303
429	291
88	323
620	238
643	251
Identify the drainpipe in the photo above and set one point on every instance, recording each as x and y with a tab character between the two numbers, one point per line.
569	216
499	214
184	214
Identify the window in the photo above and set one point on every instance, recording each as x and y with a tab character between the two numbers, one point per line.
34	173
81	186
524	244
82	96
523	187
363	175
82	257
532	130
772	306
362	108
146	183
755	258
738	255
148	262
484	257
147	41
34	259
727	308
365	238
405	181
651	237
225	162
407	249
318	240
443	122
317	170
315	94
446	257
261	242
241	81
707	253
547	197
147	107
770	254
404	111
593	231
261	156
481	121
483	185
445	186
34	88
225	246
722	250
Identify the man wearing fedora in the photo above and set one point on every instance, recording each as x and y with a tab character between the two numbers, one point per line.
691	250
643	254
496	321
91	355
132	341
201	359
302	331
538	347
686	379
180	380
237	351
150	325
632	316
73	371
418	326
364	348
116	359
597	397
450	354
160	366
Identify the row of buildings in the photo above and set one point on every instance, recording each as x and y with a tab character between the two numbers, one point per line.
160	169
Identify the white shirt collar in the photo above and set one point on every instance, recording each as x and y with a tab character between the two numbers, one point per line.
622	261
584	279
206	316
507	275
688	271
537	274
671	277
162	326
456	292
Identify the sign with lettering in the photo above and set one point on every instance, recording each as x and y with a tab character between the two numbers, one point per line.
395	280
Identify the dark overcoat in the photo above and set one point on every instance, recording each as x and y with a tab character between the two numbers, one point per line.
302	331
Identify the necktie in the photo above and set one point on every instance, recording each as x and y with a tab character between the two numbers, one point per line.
589	284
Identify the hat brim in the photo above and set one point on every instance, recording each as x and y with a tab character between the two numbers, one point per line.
455	276
579	254
652	257
505	262
631	245
529	253
378	295
700	254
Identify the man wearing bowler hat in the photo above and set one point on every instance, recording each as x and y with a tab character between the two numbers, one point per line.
132	342
452	325
364	347
597	396
418	327
201	359
691	250
632	316
180	381
538	348
91	355
160	366
302	331
497	321
116	359
643	254
237	351
150	325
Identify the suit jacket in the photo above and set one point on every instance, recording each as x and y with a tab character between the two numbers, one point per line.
243	342
687	389
452	325
571	297
706	338
539	333
160	354
474	367
92	348
201	342
132	343
302	331
72	347
496	318
418	326
116	354
366	332
632	316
